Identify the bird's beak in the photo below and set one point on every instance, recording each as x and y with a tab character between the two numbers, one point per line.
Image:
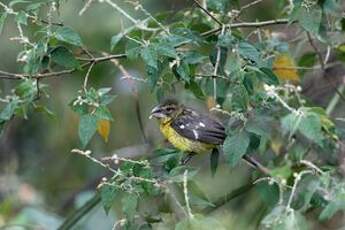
156	112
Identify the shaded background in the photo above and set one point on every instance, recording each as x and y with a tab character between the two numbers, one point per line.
41	181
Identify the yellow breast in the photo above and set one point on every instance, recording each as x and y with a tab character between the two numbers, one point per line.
183	143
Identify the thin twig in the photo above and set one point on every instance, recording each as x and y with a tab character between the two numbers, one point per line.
317	51
80	213
87	76
323	68
185	192
335	99
256	165
250	5
248	24
32	17
18	76
85	7
298	178
119	9
208	13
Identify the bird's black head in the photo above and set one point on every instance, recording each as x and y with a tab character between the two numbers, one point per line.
168	109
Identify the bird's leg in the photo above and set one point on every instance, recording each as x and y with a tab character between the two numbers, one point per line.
187	158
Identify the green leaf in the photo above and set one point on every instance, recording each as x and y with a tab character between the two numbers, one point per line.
267	76
64	57
248	51
239	98
26	90
2	21
149	55
166	49
103	113
177	173
221	54
283	219
218	5
195	88
87	128
290	123
308	59
235	147
129	205
133	50
310	127
14	2
7	113
183	71
108	194
68	35
199	222
153	74
115	40
225	40
259	125
21	18
269	193
334	206
193	57
308	17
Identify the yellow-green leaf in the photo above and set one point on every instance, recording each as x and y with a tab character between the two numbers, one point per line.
284	67
103	128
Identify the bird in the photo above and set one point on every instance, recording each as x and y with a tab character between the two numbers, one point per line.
188	130
194	133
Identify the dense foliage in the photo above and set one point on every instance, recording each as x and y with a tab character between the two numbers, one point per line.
242	71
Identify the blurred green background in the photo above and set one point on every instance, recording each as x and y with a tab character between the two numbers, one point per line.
41	181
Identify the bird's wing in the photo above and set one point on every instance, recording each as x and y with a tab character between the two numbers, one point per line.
199	127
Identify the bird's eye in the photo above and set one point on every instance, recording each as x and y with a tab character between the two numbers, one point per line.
169	109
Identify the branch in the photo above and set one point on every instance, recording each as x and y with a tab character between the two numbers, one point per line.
317	51
323	68
208	13
250	5
248	25
80	213
256	165
32	17
230	196
18	76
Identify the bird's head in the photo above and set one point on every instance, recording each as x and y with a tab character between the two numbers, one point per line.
166	110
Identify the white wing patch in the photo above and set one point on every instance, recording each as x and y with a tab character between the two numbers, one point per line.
182	126
196	134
